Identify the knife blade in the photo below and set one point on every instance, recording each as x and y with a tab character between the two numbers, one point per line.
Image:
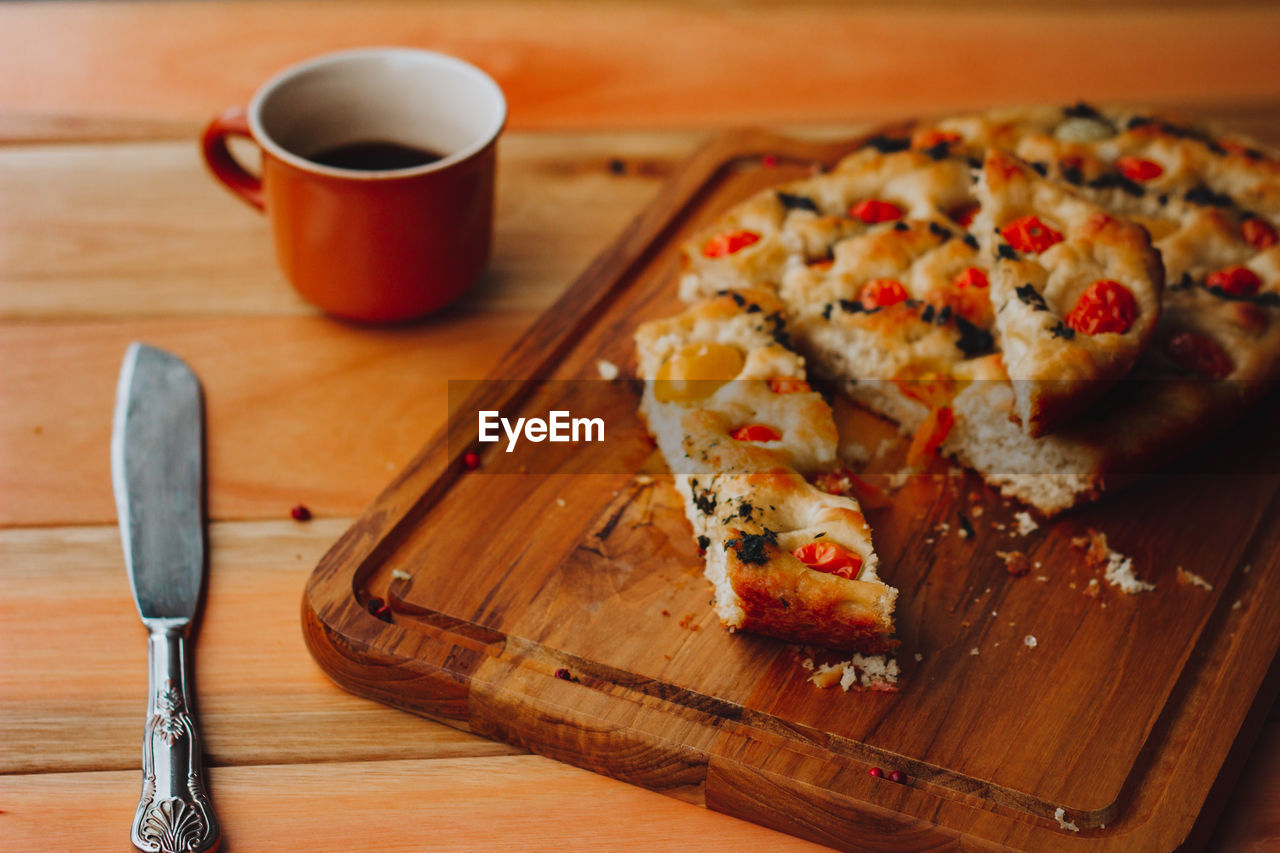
157	473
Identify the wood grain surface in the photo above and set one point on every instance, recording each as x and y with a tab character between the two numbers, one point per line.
111	230
571	64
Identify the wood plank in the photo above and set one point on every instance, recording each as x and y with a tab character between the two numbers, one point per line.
281	393
262	699
140	229
514	803
716	66
589	574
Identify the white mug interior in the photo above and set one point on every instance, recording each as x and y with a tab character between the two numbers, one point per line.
416	98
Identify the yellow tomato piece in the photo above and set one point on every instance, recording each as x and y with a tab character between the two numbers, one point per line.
694	372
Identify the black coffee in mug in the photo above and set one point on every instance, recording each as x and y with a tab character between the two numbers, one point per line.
374	155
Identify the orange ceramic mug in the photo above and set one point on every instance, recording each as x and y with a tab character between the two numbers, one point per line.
377	177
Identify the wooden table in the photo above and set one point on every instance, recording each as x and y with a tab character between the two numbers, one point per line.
110	230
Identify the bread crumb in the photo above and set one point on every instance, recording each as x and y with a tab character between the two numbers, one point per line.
998	525
607	369
400	575
1042	578
1094	589
1026	524
919	657
977	512
885	445
1248	567
1193	579
1237	605
807	664
1117	568
874	672
1015	562
943	527
1061	817
561	502
1119	573
644	479
1030	641
827	675
974	652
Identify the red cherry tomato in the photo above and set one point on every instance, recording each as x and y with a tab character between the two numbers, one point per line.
970	277
1237	281
873	210
755	432
1105	306
1258	233
728	243
1199	354
1029	234
1137	169
830	558
882	292
788	386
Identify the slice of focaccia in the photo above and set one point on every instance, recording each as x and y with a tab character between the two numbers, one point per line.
791	561
1075	290
737	423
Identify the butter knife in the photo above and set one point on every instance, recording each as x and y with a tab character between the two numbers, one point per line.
157	471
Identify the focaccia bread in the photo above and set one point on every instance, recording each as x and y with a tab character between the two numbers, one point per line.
907	278
1061	299
1209	199
791	561
737	423
1042	318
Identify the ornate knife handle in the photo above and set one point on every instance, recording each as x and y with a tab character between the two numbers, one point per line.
174	814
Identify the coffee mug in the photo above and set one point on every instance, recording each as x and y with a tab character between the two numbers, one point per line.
377	177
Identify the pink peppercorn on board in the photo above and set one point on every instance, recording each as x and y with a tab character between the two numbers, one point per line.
1037	706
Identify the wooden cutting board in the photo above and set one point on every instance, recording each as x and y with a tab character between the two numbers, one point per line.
566	612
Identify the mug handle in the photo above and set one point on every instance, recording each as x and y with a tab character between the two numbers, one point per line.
225	167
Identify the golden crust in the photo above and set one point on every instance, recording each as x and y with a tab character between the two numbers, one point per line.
781	597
